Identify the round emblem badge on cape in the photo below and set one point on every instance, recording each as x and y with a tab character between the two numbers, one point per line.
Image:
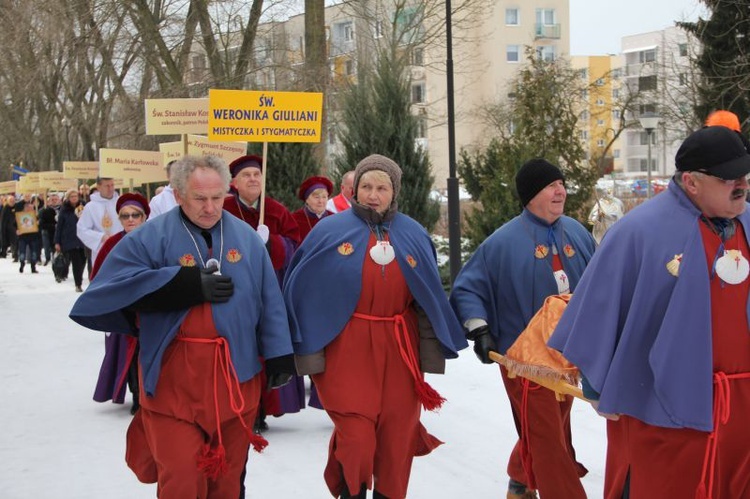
541	251
382	253
346	249
732	267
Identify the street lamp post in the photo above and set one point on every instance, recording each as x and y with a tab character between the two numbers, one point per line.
454	209
649	122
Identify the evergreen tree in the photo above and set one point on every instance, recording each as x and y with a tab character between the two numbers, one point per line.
539	121
723	58
376	119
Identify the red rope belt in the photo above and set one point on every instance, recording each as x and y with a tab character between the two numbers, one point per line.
428	396
213	461
721	412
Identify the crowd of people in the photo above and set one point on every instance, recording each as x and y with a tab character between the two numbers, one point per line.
214	317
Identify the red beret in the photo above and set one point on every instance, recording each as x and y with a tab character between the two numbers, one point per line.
133	199
313	183
245	162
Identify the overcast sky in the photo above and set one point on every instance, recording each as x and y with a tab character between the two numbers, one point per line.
597	26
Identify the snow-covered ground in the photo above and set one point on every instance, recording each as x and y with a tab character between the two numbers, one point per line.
58	443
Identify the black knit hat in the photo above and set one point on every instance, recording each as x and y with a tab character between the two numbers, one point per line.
535	175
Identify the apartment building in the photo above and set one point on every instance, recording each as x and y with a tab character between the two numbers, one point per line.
601	116
488	49
657	70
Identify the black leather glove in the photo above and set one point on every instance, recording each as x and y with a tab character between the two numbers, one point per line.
483	343
215	288
279	371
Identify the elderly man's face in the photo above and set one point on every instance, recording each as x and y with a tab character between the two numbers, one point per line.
716	197
549	203
248	183
203	199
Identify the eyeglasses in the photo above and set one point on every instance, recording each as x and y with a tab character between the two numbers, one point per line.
727	182
132	216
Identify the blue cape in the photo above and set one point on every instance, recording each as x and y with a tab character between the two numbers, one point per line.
253	320
322	286
641	336
505	284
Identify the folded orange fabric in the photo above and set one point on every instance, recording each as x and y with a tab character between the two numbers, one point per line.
530	355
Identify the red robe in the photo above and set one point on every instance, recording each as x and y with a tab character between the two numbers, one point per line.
669	462
284	235
369	393
306	221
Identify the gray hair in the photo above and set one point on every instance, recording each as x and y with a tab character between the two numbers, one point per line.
183	167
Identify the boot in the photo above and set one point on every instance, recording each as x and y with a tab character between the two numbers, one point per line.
378	495
33	268
22	266
518	490
362	493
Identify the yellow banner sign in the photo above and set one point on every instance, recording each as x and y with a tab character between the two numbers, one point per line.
56	181
176	116
199	145
255	116
27	184
172	151
8	187
81	169
140	166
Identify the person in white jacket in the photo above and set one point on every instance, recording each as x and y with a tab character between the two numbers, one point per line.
164	201
99	218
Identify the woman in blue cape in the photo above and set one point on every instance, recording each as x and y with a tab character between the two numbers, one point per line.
367	341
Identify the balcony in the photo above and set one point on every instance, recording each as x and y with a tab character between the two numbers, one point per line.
546	31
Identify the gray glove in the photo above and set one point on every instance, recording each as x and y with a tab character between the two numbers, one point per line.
215	288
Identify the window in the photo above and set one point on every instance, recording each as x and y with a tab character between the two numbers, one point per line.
599	102
585	94
512	53
616	153
421	128
646	108
616	114
644	162
600	143
418	93
683	49
378	29
646	83
348	31
617	73
683	79
644	138
584	115
349	67
647	56
512	17
599	82
584	135
417	56
615	93
583	73
599	122
199	61
545	17
546	52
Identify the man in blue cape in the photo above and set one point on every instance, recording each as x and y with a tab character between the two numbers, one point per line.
539	253
658	328
197	287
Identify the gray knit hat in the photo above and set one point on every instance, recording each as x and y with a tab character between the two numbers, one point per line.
378	162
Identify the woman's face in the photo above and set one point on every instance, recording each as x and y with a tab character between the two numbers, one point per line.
375	191
317	200
131	217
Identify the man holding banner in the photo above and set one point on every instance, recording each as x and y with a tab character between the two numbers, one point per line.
280	232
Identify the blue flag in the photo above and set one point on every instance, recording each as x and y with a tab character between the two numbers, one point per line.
18	172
